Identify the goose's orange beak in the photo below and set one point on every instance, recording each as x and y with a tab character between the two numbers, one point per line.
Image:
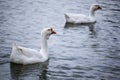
52	31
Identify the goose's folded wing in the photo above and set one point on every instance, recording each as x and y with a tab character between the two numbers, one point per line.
28	52
77	18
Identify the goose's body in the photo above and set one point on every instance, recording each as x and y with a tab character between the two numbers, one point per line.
78	18
22	55
75	18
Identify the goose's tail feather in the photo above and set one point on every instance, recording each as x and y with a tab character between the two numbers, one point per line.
66	15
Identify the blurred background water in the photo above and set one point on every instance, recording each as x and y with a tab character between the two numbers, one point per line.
77	52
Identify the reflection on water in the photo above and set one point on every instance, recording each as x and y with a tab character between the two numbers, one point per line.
90	26
29	72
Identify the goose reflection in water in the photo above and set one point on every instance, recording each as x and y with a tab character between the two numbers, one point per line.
29	72
89	25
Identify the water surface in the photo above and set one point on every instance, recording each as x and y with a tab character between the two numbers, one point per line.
77	52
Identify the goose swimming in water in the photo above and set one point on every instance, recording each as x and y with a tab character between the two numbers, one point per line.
81	18
22	55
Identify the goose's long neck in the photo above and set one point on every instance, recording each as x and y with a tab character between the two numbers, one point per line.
44	42
44	50
91	13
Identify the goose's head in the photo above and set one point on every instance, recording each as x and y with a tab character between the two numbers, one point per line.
47	32
95	7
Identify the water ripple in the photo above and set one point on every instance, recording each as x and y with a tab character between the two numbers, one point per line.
77	52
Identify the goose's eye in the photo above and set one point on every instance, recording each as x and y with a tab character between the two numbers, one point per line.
49	29
96	5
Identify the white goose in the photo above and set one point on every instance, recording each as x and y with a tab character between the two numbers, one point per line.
80	18
22	55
